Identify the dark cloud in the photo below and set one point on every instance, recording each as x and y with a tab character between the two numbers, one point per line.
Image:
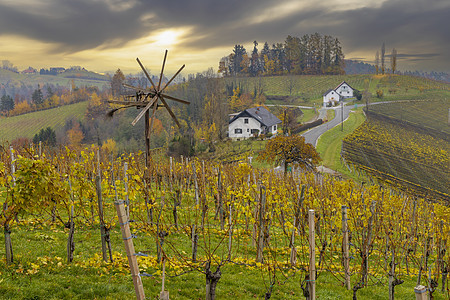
411	26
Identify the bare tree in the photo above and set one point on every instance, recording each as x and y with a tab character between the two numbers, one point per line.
377	62
394	60
383	51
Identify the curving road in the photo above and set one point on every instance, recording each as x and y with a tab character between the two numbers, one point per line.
312	135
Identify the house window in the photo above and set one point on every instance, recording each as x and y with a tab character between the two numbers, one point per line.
275	128
238	131
248	130
245	121
255	132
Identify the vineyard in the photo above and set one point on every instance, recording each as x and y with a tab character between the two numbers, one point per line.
248	232
426	115
29	124
308	89
405	144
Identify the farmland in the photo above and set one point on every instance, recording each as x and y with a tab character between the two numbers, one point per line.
28	125
405	144
426	115
307	90
252	223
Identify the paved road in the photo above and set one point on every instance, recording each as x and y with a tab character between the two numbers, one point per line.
312	135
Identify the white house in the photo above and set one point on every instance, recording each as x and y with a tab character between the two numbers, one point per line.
330	98
342	91
252	122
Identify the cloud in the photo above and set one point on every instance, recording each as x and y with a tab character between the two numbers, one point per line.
411	26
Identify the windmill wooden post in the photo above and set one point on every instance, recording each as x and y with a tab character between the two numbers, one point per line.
147	99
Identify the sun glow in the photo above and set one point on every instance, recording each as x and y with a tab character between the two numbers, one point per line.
167	38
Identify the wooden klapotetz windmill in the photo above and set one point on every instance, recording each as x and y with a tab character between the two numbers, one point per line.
147	99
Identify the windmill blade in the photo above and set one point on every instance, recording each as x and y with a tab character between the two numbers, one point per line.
139	116
176	99
131	87
170	111
162	70
131	103
145	72
173	77
110	113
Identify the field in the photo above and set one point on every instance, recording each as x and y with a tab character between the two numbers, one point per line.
79	78
308	90
428	115
412	151
252	223
28	125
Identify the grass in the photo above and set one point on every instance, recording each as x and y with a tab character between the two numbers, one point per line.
28	125
307	89
79	78
57	279
330	143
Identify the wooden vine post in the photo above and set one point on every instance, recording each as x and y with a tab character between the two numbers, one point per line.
125	181
262	213
345	248
164	295
7	231
293	255
129	248
98	185
312	256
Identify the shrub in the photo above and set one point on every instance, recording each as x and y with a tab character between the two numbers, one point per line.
380	94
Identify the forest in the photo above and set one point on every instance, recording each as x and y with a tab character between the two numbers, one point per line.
311	54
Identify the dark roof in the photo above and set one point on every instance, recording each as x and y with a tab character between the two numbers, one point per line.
342	84
260	114
326	93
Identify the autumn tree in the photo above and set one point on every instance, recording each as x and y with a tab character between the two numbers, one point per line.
290	149
75	135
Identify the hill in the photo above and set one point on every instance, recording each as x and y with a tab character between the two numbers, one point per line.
11	82
28	125
308	89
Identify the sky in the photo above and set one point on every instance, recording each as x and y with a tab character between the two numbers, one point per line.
104	35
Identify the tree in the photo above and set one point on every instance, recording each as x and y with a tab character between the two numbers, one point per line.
75	135
255	65
47	136
116	83
357	94
394	60
377	62
237	59
382	58
37	96
290	149
6	103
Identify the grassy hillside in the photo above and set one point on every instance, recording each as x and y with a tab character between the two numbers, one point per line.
428	115
307	90
80	78
29	124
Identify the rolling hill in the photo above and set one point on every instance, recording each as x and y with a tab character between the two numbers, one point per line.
28	125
